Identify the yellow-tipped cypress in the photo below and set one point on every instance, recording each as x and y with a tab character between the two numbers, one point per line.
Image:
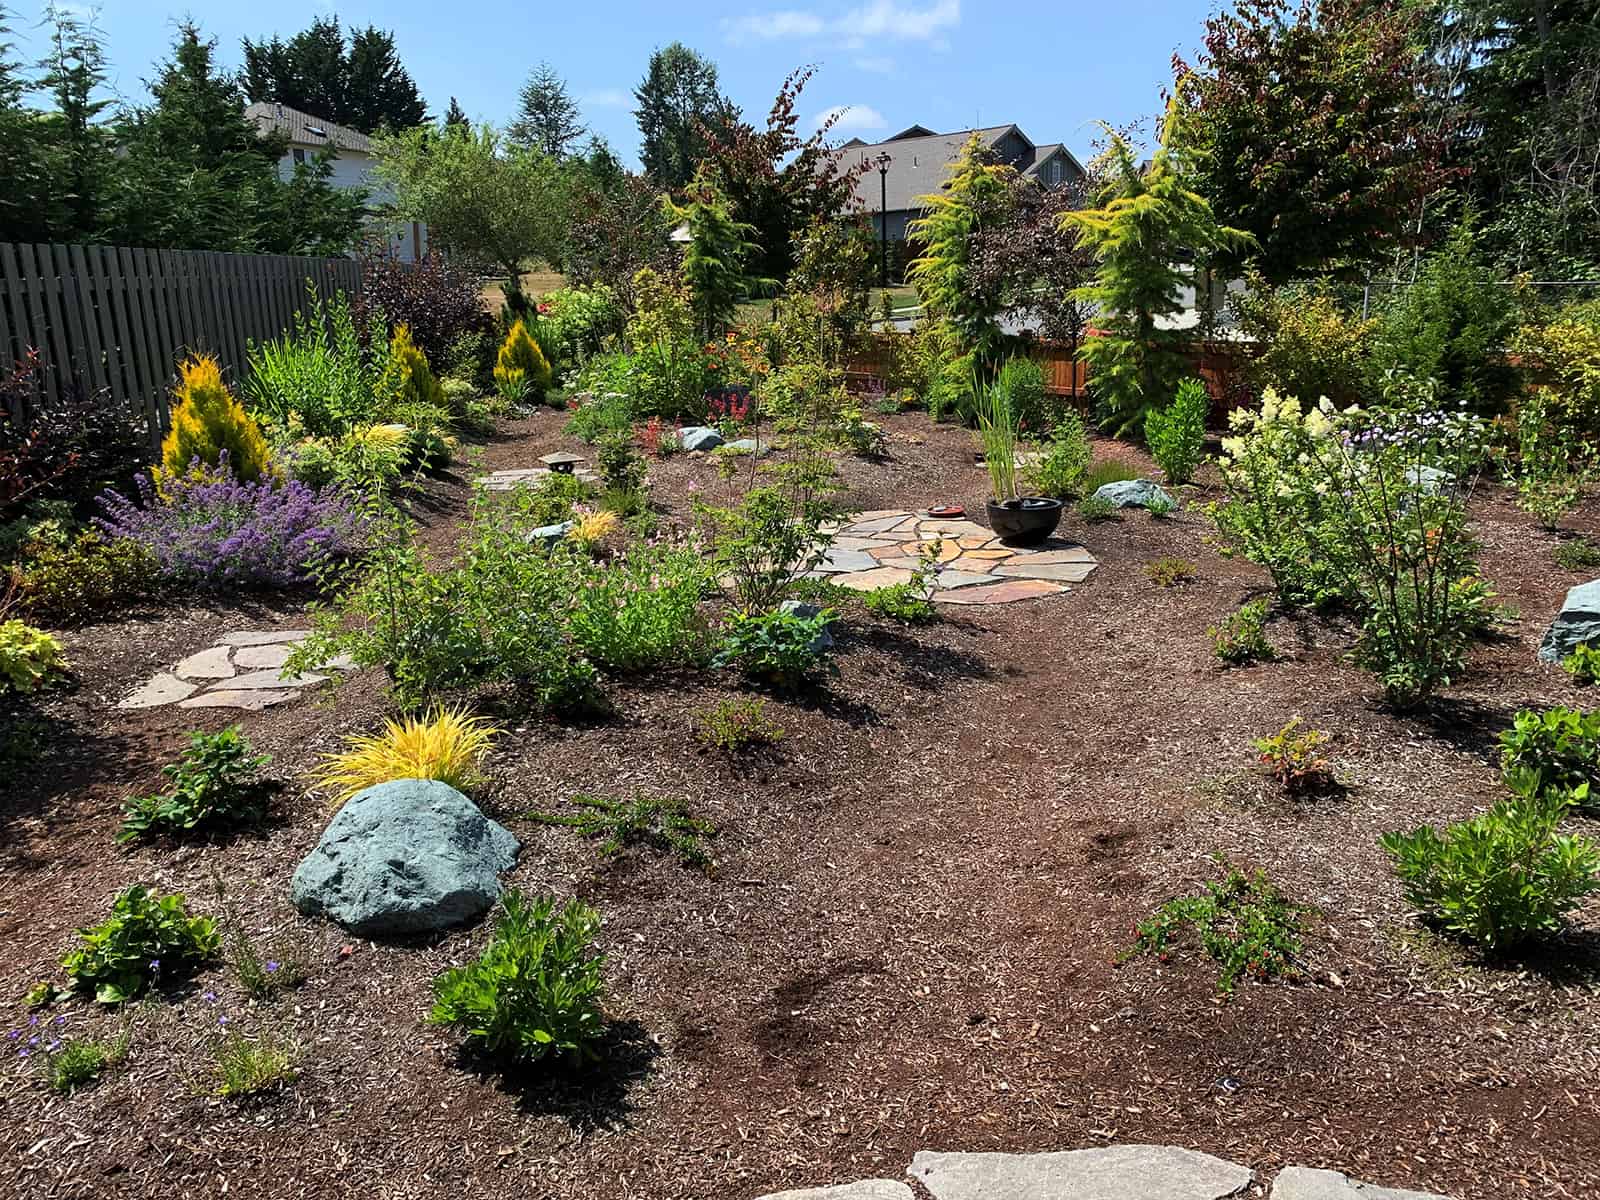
206	420
521	353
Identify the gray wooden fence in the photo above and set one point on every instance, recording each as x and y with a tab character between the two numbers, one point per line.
121	318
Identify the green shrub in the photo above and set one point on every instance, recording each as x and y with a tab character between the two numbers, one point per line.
622	468
536	988
578	321
641	609
1022	381
1096	508
1578	554
1561	744
903	602
1310	346
552	499
521	370
1241	636
782	648
72	1063
1295	757
1243	922
661	824
1502	877
1170	572
211	783
772	535
1059	469
319	378
69	582
1583	664
735	725
1177	433
607	415
30	658
1107	470
146	939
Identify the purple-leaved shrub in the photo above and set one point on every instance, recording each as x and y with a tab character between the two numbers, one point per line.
209	529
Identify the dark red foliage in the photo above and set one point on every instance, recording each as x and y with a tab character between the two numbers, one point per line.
439	302
1033	264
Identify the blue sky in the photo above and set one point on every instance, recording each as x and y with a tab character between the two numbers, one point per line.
1053	68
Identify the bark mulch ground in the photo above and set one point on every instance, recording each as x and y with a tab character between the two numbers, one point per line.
909	938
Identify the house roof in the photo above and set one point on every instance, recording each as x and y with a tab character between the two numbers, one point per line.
304	129
918	162
916	165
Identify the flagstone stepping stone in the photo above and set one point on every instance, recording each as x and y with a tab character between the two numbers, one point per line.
211	664
950	580
270	637
997	593
867	1189
162	689
256	658
1061	572
1103	1173
1306	1183
870	581
508	481
251	701
273	677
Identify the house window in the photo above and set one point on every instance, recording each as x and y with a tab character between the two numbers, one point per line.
299	156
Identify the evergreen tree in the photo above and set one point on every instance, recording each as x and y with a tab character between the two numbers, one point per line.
547	116
455	117
678	103
719	250
604	169
79	152
362	86
1147	224
25	178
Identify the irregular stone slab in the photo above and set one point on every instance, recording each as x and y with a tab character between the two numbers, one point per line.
1032	568
750	446
867	1189
878	577
250	701
1308	1183
210	664
1104	1173
949	579
1069	554
266	638
406	857
272	678
944	527
861	543
1002	593
1577	622
847	560
699	437
258	658
161	689
1132	493
872	514
875	526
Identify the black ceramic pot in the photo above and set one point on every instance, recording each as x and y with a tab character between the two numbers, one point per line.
1025	521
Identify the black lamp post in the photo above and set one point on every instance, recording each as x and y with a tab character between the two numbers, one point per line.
883	218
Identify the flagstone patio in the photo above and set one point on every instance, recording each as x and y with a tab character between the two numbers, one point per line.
883	547
244	670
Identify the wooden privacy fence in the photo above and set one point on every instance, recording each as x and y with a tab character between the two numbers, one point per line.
119	319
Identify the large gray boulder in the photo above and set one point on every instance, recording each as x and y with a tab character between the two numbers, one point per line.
699	437
1105	1173
1306	1183
406	857
1576	623
1134	493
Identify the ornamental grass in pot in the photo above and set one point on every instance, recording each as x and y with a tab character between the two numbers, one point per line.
1021	520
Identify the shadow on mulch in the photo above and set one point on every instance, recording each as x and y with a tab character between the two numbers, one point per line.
590	1097
1571	960
1470	725
927	666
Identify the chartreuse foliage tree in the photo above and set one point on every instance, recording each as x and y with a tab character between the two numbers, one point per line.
977	197
1147	225
206	422
719	249
521	367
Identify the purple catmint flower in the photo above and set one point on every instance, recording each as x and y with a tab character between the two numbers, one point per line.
207	528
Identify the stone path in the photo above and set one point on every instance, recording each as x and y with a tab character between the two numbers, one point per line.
508	481
1101	1173
883	547
243	670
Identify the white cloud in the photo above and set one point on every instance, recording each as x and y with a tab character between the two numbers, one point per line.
875	19
883	65
859	118
607	98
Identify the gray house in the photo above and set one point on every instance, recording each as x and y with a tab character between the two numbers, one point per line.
917	162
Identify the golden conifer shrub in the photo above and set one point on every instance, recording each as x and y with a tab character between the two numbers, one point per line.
521	359
206	420
413	380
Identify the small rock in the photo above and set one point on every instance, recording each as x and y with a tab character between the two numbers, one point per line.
1133	493
867	1189
750	446
273	677
1105	1173
162	689
1306	1183
547	536
823	642
208	664
1577	622
246	638
405	857
698	438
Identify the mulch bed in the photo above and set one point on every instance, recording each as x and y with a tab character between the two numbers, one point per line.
909	938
